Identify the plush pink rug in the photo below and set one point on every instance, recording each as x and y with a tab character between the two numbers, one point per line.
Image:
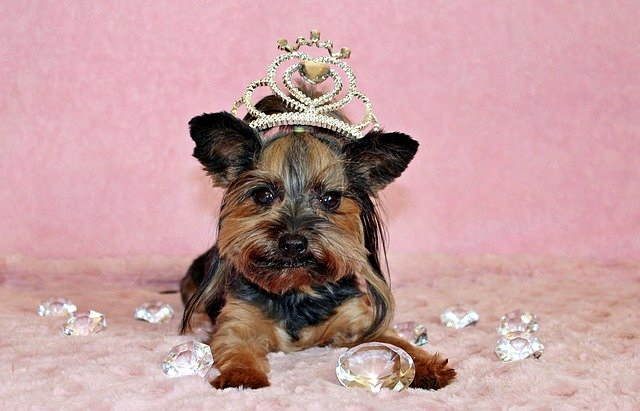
588	313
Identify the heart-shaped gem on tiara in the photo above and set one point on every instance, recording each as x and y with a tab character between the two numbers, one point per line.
297	100
314	71
320	98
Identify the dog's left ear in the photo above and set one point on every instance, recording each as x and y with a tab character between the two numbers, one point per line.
378	158
225	145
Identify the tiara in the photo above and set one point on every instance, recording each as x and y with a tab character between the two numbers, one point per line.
307	110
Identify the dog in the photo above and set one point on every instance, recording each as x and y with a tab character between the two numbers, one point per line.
297	260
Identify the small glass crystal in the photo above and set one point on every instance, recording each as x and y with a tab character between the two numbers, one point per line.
518	345
459	316
85	324
56	307
375	366
413	332
518	320
154	312
191	358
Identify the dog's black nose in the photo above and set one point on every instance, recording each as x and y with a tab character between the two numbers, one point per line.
293	245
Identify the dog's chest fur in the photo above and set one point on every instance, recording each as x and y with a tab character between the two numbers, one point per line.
296	310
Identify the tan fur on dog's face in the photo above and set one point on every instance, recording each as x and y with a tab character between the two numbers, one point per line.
299	170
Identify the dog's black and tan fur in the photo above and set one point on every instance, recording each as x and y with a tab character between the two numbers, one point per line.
296	262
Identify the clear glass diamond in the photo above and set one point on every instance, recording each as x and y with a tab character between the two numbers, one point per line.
154	312
191	358
413	332
459	316
56	307
85	324
518	345
375	366
518	320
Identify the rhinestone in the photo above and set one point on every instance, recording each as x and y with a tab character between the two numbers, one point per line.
283	44
518	345
85	324
154	312
458	317
375	366
56	307
518	320
191	358
415	333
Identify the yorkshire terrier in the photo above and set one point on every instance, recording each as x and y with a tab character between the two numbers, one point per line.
296	263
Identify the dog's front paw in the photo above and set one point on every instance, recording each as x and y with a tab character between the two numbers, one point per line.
432	372
241	377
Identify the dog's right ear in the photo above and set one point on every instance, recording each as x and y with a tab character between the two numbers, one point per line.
225	145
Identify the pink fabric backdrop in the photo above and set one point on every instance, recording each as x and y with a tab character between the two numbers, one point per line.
528	114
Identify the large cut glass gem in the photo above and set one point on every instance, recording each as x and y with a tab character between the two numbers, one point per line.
518	345
154	312
85	324
518	320
413	332
56	307
375	366
190	358
459	316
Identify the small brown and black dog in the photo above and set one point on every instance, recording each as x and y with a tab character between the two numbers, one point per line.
297	260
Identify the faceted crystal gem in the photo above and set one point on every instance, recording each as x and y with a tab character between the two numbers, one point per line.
518	345
56	307
154	312
191	358
345	53
85	324
375	366
518	320
415	333
459	316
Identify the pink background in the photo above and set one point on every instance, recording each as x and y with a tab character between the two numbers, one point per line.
528	114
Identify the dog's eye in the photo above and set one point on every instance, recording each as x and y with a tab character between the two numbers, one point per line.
331	200
263	196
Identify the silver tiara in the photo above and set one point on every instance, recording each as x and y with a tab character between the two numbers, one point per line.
306	110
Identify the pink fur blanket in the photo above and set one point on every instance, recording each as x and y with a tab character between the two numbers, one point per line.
588	313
